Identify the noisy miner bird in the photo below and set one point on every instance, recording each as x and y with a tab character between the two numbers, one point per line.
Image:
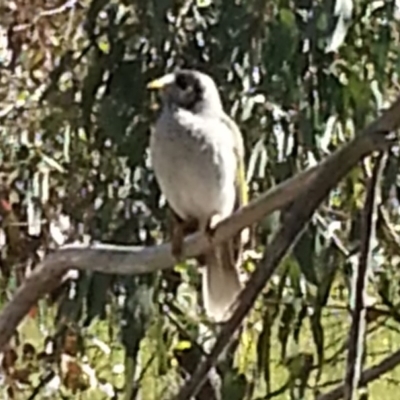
197	157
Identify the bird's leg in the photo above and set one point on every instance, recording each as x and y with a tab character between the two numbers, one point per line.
177	235
177	242
214	221
209	228
179	228
228	251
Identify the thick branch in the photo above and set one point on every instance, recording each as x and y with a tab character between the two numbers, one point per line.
115	259
329	173
129	260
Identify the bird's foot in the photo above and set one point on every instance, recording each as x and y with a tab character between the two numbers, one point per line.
179	229
177	236
211	225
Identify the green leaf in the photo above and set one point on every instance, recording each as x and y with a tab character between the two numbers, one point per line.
97	296
203	3
137	316
183	345
287	17
285	327
264	340
234	386
70	308
304	252
300	367
318	334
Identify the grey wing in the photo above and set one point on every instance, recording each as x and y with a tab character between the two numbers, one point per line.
241	187
237	135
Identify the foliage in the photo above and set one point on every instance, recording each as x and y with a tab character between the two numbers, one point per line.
75	119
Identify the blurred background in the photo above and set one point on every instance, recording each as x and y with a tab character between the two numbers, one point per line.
301	78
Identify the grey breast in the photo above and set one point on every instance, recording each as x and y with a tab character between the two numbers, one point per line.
190	162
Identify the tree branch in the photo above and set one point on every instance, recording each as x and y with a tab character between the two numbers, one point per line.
136	260
108	258
126	260
369	375
360	277
329	173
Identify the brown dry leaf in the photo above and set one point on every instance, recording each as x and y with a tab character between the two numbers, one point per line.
21	375
10	357
70	346
74	379
28	352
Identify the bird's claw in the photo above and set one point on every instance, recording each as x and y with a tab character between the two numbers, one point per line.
210	227
177	236
179	229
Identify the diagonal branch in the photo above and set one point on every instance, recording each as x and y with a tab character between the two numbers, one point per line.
357	329
329	173
135	260
116	259
369	375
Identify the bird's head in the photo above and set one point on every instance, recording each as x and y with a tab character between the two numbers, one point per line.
188	89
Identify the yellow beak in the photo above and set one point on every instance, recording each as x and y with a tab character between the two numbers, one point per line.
162	82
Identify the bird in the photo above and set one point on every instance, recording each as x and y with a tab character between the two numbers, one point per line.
197	155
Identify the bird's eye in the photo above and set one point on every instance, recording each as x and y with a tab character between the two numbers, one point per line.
182	82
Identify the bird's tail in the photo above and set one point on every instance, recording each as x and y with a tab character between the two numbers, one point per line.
221	283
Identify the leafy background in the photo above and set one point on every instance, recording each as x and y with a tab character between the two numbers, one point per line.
301	78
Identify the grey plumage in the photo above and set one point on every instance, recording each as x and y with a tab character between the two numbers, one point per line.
195	151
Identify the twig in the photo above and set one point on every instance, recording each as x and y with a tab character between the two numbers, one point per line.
131	260
335	239
181	329
127	260
45	13
388	232
42	383
369	375
329	173
360	277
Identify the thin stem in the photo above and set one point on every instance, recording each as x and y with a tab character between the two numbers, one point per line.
359	282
